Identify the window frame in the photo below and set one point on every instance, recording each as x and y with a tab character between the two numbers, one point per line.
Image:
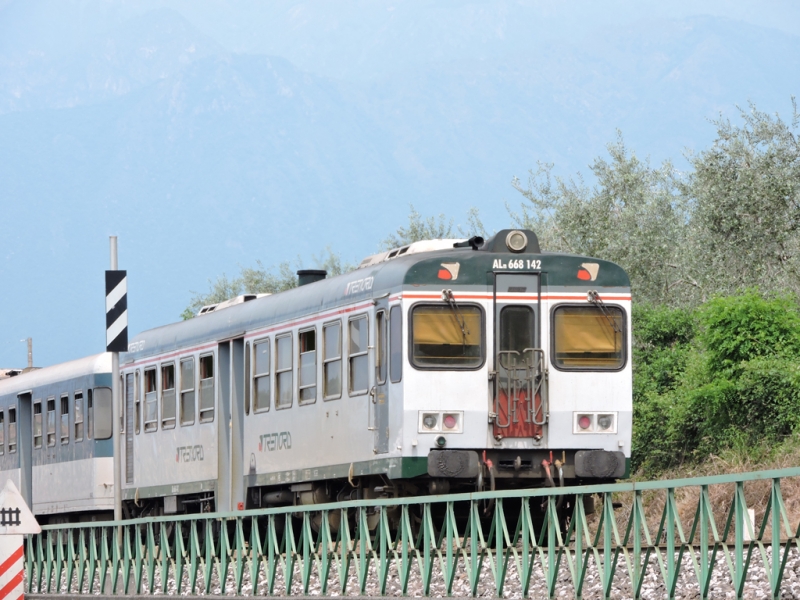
169	423
255	376
77	401
200	410
279	372
12	420
397	311
40	414
48	432
326	360
150	426
190	390
410	337
90	413
63	401
350	391
2	431
300	353
381	346
624	363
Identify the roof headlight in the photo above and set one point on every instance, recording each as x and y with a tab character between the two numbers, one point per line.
516	241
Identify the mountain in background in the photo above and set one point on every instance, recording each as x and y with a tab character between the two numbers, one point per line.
205	147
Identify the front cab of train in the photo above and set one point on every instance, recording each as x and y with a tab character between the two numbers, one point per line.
520	367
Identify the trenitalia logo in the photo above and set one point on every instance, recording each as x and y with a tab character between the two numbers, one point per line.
189	453
275	441
449	271
588	271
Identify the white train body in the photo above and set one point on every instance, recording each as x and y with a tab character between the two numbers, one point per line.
430	368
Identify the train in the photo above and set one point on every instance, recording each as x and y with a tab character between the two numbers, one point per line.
447	365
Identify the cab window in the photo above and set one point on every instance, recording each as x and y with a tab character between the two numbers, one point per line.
445	337
588	337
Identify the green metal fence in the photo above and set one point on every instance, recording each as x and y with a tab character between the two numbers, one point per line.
642	539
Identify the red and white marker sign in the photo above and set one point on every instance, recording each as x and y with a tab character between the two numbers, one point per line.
16	520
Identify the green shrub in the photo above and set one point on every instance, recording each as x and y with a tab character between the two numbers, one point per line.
724	376
736	329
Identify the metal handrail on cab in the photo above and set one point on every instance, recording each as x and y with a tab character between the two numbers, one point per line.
527	375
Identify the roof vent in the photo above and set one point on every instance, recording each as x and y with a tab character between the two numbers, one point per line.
413	248
306	276
209	308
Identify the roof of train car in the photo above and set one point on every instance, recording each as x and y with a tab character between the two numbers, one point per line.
405	272
97	363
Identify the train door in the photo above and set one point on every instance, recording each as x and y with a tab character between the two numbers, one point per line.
25	447
130	399
230	427
519	406
380	392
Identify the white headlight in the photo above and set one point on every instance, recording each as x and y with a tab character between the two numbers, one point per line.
516	241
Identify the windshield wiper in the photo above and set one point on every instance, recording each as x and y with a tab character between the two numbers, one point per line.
447	296
593	297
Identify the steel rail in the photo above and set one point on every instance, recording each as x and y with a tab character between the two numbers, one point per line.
362	547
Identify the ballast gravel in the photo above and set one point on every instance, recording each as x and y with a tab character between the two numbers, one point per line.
756	585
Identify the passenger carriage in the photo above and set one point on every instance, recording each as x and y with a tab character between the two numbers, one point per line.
55	430
444	365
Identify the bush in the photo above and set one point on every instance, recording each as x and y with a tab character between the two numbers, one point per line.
723	376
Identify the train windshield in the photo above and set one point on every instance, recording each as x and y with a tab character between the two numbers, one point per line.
588	337
444	337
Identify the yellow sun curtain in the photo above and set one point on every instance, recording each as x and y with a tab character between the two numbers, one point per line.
440	325
584	336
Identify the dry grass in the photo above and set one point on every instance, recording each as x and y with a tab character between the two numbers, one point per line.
757	493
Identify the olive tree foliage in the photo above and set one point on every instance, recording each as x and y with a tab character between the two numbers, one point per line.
634	215
260	280
745	192
433	228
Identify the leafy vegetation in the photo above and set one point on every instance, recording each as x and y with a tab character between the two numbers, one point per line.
721	376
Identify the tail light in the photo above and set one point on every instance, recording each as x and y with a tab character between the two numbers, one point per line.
594	422
444	422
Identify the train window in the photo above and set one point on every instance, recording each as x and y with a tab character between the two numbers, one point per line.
207	388
261	376
103	424
516	333
2	432
445	336
78	401
89	414
168	396
37	424
307	370
137	404
381	334
358	359
12	430
150	400
65	419
247	370
396	344
332	360
283	371
588	337
121	405
51	422
187	391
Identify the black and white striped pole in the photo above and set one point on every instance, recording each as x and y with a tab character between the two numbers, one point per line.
116	342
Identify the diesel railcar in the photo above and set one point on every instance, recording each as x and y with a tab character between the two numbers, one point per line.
55	430
444	365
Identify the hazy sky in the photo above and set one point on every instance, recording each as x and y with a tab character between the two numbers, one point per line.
209	135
